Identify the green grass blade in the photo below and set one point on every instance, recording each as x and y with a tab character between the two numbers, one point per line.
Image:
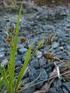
22	71
4	77
13	49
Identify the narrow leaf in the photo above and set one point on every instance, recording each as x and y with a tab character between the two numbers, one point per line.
22	71
13	49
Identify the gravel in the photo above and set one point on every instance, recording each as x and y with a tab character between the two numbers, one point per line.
37	24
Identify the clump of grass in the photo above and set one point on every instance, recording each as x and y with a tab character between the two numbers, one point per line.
7	77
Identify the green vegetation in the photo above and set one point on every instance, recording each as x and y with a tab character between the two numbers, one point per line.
8	81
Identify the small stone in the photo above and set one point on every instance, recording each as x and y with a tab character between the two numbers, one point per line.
35	63
18	63
22	50
4	62
2	49
55	45
68	25
68	47
61	48
2	54
39	54
20	45
67	29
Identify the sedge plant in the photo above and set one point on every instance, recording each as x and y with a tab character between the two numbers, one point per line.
8	81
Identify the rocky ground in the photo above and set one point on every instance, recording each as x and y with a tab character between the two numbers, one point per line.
48	31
